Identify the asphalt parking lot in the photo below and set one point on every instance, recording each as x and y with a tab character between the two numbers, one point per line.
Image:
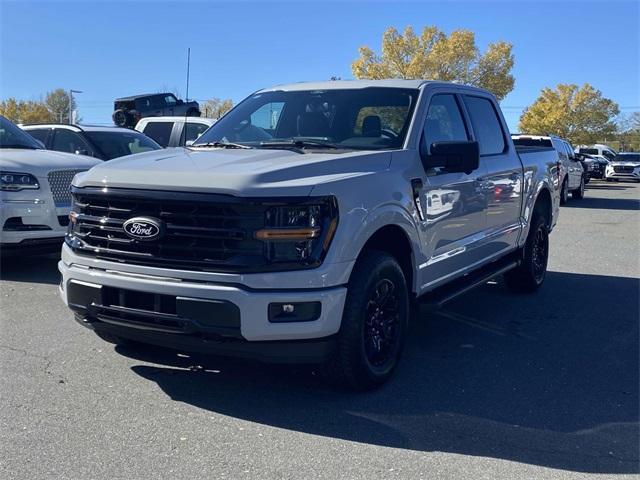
493	386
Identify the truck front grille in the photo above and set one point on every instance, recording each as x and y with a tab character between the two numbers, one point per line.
200	231
60	185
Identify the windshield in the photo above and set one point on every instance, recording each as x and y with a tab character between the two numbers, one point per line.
13	137
366	119
627	157
119	143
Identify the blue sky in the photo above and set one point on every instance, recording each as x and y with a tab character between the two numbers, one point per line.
111	49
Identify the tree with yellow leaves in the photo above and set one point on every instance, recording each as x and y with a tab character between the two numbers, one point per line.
20	111
435	56
579	114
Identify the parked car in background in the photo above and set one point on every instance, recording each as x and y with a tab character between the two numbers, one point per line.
35	194
129	110
595	165
573	176
625	166
174	131
597	149
104	143
298	228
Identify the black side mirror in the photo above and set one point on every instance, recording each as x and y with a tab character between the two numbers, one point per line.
180	102
452	156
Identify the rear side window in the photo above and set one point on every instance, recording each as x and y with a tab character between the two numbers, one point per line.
486	125
444	122
39	134
159	131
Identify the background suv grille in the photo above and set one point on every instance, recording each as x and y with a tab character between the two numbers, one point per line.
623	169
60	185
201	231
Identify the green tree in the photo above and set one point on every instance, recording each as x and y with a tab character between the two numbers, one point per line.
19	111
215	107
628	136
580	114
57	101
435	56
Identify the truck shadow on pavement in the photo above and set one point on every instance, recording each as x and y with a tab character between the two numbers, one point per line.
36	269
549	379
604	203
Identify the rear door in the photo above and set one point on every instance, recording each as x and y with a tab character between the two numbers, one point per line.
160	132
453	203
503	177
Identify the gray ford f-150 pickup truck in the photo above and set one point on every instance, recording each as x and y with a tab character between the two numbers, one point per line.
306	222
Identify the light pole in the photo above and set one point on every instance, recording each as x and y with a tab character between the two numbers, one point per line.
71	92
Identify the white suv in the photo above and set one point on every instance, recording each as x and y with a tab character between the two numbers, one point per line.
35	198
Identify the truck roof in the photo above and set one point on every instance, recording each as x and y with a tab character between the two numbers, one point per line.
142	95
76	127
357	84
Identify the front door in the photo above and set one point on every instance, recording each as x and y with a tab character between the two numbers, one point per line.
453	204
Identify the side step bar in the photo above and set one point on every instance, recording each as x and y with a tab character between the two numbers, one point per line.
437	297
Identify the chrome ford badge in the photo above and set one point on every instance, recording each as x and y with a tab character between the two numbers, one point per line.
143	228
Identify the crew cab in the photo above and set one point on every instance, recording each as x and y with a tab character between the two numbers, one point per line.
306	222
573	175
105	143
174	131
35	195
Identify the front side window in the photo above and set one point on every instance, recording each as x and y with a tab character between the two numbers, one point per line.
118	144
444	122
486	125
67	141
359	119
170	100
159	131
193	130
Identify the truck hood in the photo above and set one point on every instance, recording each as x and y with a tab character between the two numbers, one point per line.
240	172
41	162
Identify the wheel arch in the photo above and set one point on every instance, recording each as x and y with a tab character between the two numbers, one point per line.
394	240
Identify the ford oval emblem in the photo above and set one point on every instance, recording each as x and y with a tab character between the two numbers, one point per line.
143	228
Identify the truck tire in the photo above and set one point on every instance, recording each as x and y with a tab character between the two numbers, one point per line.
578	193
120	118
374	324
530	274
564	193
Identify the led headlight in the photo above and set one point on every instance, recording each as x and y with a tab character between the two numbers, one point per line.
299	234
13	182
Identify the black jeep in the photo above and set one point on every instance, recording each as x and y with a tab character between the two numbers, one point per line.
128	110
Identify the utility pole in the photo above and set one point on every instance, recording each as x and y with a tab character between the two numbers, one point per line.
71	92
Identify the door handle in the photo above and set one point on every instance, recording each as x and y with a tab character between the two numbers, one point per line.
416	189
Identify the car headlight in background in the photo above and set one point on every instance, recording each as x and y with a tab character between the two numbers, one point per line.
299	234
14	181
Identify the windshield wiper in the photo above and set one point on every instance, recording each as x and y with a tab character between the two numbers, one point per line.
300	144
221	145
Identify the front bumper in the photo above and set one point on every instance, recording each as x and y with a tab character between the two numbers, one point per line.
634	175
200	332
40	219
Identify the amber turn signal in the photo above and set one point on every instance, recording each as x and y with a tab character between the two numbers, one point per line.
292	234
